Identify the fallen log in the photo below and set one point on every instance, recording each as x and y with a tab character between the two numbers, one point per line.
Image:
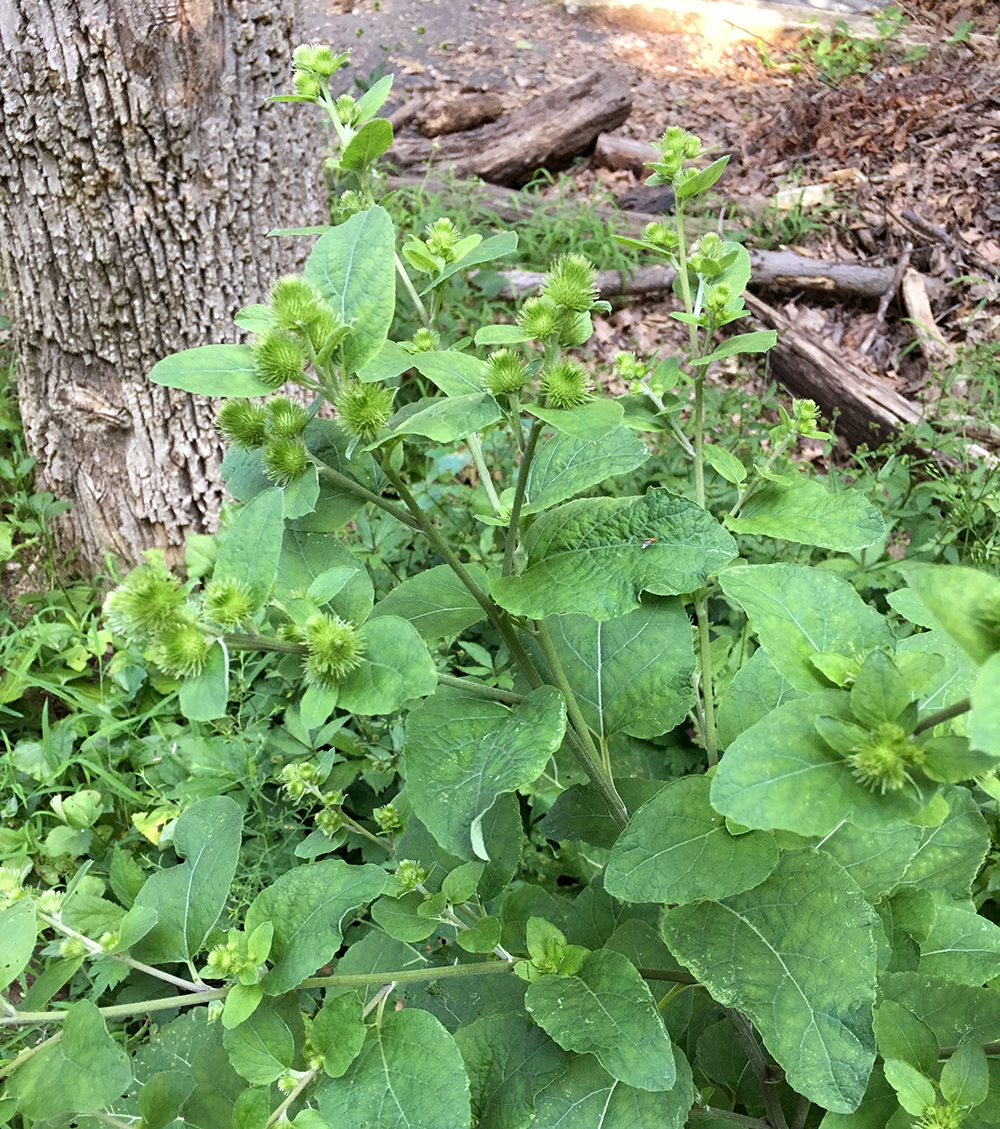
775	270
455	113
868	410
545	133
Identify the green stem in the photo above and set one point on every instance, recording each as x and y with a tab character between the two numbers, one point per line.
411	976
119	1011
27	1053
676	977
709	735
483	471
414	296
519	492
238	642
286	1104
351	825
587	753
345	483
471	686
699	438
498	617
941	716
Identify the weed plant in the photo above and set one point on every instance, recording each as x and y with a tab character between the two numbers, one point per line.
491	770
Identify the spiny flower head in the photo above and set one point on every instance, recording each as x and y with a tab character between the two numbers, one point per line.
364	408
948	1116
11	885
277	358
242	423
675	147
710	256
285	460
285	418
884	760
296	302
410	874
336	647
505	373
306	84
346	109
565	385
537	317
661	235
326	332
572	283
146	602
228	602
388	819
629	367
329	821
181	649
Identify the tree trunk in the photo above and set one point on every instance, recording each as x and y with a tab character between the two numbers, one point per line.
140	168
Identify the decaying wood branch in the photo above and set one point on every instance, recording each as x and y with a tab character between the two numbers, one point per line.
867	408
782	270
547	132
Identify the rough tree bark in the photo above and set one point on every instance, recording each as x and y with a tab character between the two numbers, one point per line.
140	168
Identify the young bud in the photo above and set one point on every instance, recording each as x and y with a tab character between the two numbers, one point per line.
661	235
629	367
304	56
345	108
147	601
226	961
410	874
505	373
537	317
335	649
565	385
72	947
306	84
285	460
285	418
572	283
228	602
277	358
388	819
364	408
181	649
241	423
12	889
48	902
326	332
109	941
442	238
329	821
423	341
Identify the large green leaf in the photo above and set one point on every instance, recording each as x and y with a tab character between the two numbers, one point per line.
244	475
875	857
780	773
804	510
508	1060
188	898
435	601
409	1075
952	1011
877	1106
756	690
631	674
965	602
797	955
953	681
605	1009
592	420
397	666
596	556
261	1048
306	556
963	946
565	465
580	814
798	611
354	268
250	550
984	718
336	505
950	855
211	370
587	1097
18	931
161	1098
456	374
306	907
367	145
496	247
445	420
676	849
204	696
463	751
193	1048
82	1072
